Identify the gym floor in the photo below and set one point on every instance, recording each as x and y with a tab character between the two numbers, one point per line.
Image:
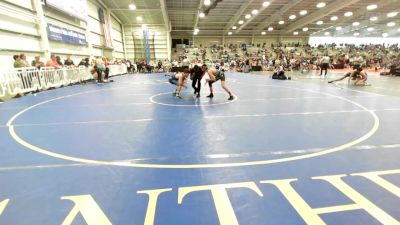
127	152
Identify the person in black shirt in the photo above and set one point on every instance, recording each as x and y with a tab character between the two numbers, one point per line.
196	73
69	61
59	61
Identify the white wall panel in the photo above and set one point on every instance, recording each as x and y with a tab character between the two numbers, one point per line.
19	42
96	39
23	3
160	41
94	26
93	10
64	49
115	24
116	35
12	23
118	55
97	52
206	41
294	39
61	19
118	46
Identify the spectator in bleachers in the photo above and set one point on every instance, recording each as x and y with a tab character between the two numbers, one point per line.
18	63
69	61
58	58
159	66
185	63
37	63
358	61
52	62
84	62
175	63
23	59
130	66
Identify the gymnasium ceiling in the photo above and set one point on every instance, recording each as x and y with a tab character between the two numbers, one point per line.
182	16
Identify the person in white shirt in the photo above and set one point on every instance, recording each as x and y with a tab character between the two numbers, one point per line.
175	63
185	63
325	64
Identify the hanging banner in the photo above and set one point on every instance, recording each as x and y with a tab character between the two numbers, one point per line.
146	45
56	33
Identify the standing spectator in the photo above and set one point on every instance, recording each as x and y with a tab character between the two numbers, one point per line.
159	66
128	66
185	63
325	64
107	68
100	68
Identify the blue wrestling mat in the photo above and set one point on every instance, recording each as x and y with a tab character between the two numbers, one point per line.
130	153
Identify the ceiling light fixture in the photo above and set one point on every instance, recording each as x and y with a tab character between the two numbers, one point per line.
327	33
229	33
303	12
356	34
385	34
132	6
356	24
281	22
296	33
266	4
392	14
292	17
338	28
374	18
270	28
202	15
305	29
372	7
391	24
234	28
333	18
247	16
240	22
321	5
139	18
207	2
320	22
263	33
254	12
370	29
348	14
